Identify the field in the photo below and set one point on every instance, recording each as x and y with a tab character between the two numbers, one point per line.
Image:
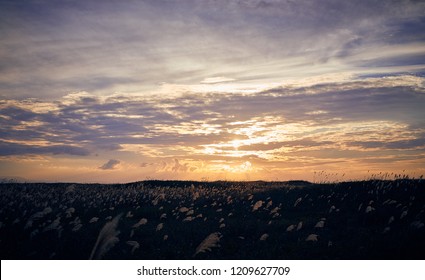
375	219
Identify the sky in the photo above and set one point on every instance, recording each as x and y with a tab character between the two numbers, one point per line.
120	91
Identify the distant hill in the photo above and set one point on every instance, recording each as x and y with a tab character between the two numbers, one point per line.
7	180
298	183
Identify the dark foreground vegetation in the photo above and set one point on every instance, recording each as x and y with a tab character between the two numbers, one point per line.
374	219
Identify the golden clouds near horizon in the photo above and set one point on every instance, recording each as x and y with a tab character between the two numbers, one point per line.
287	132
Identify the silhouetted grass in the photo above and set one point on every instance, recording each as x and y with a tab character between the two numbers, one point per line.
371	219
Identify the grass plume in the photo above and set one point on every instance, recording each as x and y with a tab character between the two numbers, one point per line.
212	241
107	238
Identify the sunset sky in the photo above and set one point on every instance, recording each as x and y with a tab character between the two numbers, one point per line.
119	91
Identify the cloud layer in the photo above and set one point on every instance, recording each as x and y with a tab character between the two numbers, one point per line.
198	133
50	49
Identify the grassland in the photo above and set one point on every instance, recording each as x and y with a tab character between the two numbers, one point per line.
374	219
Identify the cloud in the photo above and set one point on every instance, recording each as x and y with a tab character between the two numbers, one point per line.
263	42
178	167
216	80
10	148
110	165
411	144
285	117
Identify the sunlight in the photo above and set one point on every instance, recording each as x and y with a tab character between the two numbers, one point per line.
236	144
238	168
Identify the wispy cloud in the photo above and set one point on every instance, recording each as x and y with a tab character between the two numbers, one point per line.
216	80
111	164
53	49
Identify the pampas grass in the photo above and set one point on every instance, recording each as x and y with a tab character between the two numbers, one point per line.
320	224
175	227
69	212
77	227
159	226
188	219
257	205
183	209
37	216
134	245
94	220
312	237
299	226
142	221
369	209
212	241
264	237
55	225
107	238
70	188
